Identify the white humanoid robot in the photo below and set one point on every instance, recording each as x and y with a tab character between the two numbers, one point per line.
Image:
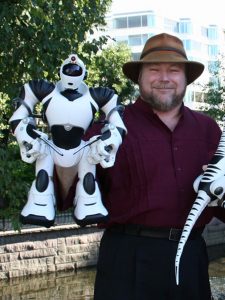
69	107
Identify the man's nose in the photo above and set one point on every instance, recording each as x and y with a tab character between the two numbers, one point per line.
164	76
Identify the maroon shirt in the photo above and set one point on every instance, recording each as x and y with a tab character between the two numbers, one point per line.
151	182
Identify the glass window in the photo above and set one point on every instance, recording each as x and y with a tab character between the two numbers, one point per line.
144	20
144	38
135	40
151	20
187	45
197	46
136	56
122	39
134	21
213	50
170	25
120	23
185	26
213	33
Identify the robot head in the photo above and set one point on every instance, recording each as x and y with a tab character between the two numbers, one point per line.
72	72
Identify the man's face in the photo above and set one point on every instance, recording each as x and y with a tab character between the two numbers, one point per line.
162	85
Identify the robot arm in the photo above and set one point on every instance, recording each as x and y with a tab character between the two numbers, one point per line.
112	110
104	150
108	102
23	123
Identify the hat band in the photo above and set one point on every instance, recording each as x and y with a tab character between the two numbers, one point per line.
163	49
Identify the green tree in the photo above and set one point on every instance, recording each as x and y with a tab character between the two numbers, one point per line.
37	35
105	69
214	91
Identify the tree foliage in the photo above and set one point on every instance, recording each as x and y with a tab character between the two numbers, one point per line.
37	35
16	177
214	91
105	69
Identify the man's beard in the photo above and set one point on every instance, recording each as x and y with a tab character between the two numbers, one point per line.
163	106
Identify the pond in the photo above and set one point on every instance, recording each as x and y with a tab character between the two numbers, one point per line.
79	285
217	278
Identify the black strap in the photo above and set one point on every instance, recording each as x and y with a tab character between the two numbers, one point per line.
172	234
163	49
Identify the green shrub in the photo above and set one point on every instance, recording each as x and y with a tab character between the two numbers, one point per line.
15	180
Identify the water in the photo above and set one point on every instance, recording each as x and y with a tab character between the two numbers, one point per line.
79	285
217	278
54	286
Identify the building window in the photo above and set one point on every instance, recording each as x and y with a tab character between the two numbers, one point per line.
122	40
144	38
170	25
134	21
120	23
187	45
213	33
191	45
137	40
137	21
144	22
185	26
136	56
213	50
151	21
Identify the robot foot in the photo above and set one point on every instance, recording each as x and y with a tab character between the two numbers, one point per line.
40	207
91	219
36	220
89	210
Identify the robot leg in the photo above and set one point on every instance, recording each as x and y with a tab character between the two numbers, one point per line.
40	207
89	208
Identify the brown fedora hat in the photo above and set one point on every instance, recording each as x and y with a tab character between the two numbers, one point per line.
163	48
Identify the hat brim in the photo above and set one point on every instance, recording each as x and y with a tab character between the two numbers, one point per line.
193	69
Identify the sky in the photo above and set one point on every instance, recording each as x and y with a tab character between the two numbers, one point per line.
206	12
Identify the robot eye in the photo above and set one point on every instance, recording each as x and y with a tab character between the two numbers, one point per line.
72	70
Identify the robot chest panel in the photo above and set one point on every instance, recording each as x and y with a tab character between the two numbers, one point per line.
76	113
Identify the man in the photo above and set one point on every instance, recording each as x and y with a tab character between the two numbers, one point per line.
149	191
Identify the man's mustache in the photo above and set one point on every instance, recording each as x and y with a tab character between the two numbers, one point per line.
163	86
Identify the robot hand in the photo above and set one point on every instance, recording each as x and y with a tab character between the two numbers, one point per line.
104	150
30	140
38	147
217	188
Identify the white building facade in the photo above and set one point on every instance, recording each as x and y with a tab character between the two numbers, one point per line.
203	42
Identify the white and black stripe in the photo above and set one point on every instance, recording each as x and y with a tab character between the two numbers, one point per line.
207	192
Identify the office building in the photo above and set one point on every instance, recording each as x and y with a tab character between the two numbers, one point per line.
203	42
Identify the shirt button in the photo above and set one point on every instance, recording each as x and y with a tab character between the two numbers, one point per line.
175	148
179	169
